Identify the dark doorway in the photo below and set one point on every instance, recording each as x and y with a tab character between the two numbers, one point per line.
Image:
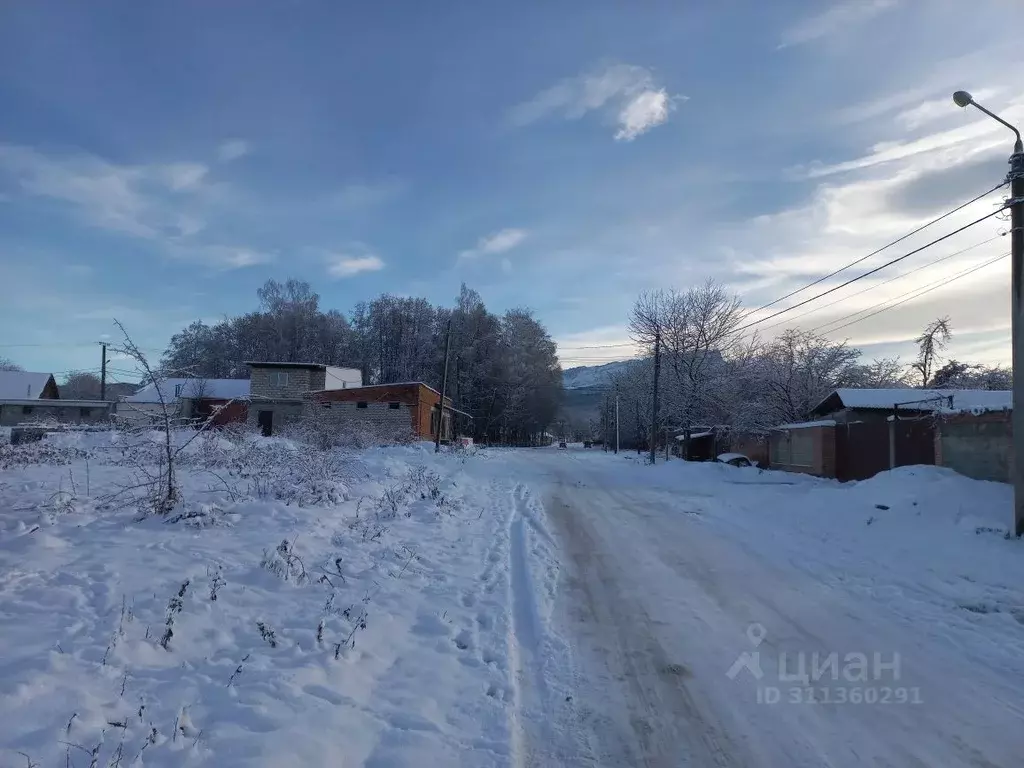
266	421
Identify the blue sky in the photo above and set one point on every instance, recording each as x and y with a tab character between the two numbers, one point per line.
160	161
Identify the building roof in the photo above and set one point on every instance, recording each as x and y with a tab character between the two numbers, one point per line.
48	403
279	364
806	424
916	399
22	385
214	389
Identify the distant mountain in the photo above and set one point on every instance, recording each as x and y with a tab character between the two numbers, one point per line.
586	376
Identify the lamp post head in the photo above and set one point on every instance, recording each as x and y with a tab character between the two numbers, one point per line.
962	98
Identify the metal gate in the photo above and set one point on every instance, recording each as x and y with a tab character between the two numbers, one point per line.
915	441
862	449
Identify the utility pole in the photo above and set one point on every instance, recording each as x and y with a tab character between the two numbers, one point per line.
444	388
1016	205
616	419
103	372
1016	178
604	424
654	407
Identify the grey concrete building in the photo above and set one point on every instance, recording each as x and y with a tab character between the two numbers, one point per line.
278	391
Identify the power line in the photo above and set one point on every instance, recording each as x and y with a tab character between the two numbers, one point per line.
933	286
871	271
883	248
602	346
885	282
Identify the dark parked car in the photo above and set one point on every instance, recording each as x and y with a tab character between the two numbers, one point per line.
562	444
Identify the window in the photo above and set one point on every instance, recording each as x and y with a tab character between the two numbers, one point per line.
85	413
394	406
26	409
326	403
279	378
177	389
360	405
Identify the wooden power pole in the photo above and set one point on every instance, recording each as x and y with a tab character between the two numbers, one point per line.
444	388
103	372
654	407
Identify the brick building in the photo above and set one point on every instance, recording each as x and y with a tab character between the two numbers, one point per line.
392	411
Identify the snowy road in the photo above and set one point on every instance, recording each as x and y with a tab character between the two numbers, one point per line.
668	579
507	609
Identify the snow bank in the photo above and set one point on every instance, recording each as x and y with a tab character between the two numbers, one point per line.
277	629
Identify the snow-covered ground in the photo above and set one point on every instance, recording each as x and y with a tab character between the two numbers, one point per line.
503	608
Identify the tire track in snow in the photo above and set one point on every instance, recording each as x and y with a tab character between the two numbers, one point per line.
529	690
541	716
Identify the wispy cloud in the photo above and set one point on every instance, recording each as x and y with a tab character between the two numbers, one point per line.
232	257
839	17
498	242
343	265
232	149
358	195
130	199
627	91
162	203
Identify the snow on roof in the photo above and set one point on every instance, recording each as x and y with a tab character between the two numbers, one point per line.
807	424
923	399
216	389
280	364
22	385
695	434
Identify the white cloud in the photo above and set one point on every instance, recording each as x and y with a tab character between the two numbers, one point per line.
956	145
162	203
344	265
232	149
643	112
626	90
132	199
836	19
499	242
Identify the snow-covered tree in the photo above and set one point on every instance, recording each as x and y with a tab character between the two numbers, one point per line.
930	343
9	365
697	329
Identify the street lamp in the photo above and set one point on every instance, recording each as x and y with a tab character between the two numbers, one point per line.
964	99
1016	205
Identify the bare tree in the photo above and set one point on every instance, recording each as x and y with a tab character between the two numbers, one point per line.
882	372
161	483
930	344
697	329
81	385
9	365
